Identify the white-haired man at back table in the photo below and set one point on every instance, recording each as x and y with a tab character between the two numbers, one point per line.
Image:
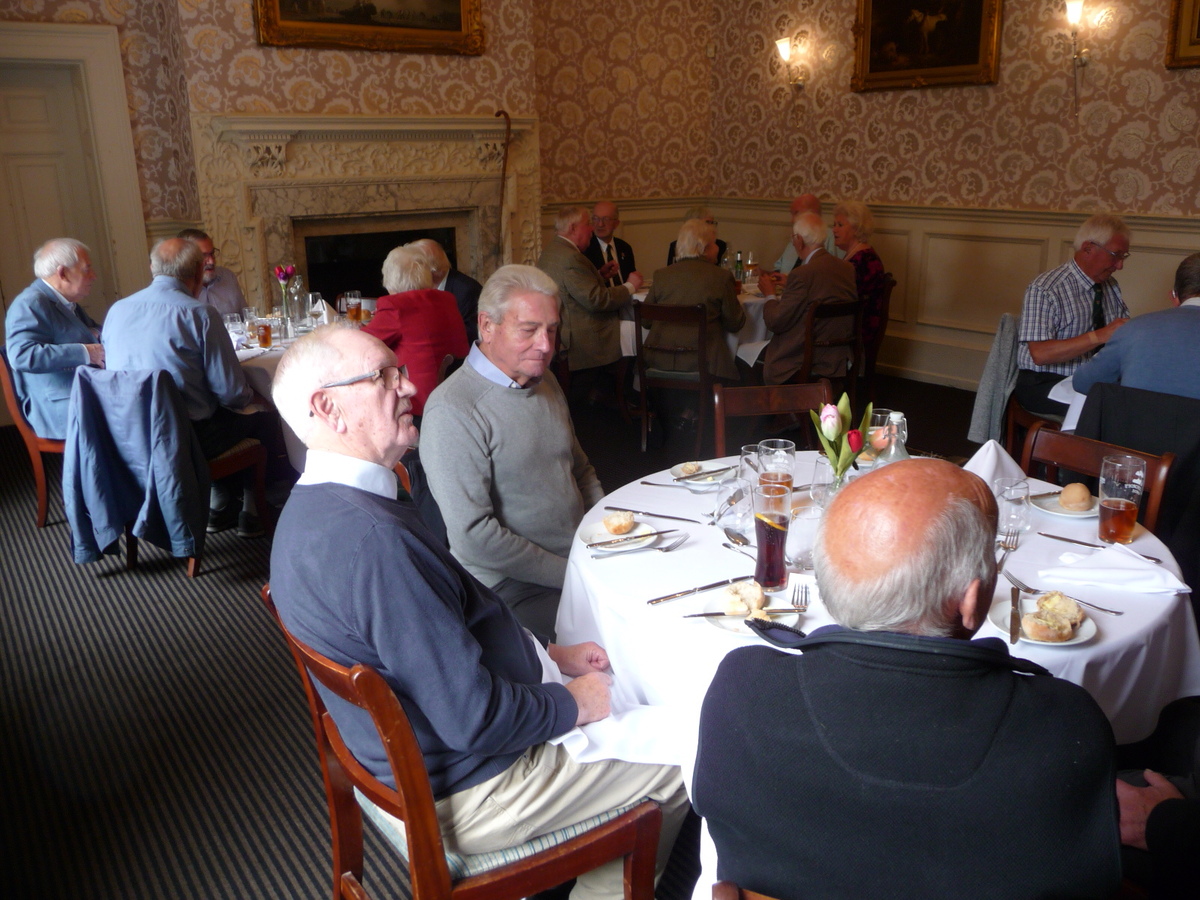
356	575
904	759
447	278
501	454
48	334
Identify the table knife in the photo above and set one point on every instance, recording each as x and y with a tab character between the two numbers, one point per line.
1059	537
1045	494
697	590
642	512
1014	617
660	484
720	615
632	537
704	474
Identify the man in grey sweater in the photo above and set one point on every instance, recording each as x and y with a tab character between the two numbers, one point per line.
500	451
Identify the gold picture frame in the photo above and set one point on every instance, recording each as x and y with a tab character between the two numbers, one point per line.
1183	38
926	43
411	26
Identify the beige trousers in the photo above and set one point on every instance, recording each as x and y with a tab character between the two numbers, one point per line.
546	790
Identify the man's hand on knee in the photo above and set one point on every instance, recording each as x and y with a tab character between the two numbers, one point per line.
591	696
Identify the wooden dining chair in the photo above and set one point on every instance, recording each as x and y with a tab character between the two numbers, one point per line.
35	446
700	381
766	400
1052	450
727	890
543	863
851	311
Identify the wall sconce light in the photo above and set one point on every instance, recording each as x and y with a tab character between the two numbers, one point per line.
1079	57
791	49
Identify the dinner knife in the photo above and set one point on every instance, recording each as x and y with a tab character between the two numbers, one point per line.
704	474
697	590
1067	540
1014	617
642	512
660	484
632	537
720	615
1045	494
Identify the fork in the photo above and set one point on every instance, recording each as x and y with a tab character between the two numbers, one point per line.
1022	586
800	597
1009	540
666	548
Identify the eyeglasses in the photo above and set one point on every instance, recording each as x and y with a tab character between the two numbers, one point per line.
600	220
390	376
213	254
1116	256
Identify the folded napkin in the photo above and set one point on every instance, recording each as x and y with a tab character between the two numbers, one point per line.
321	312
250	353
1115	566
749	352
991	462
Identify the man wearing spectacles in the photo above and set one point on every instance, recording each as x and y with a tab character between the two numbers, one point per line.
612	257
220	289
1071	312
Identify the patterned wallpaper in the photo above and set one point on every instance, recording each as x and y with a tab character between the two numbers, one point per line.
1015	144
624	97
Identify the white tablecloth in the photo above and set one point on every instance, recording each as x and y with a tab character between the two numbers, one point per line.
259	367
747	342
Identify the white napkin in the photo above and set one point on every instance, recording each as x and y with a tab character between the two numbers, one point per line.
749	352
250	353
991	461
321	312
1115	566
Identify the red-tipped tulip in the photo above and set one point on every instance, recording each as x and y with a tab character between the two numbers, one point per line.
855	439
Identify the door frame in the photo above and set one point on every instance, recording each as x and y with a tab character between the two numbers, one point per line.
96	52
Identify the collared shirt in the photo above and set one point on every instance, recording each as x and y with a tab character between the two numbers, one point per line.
72	307
223	292
478	361
441	286
1058	306
327	467
1194	301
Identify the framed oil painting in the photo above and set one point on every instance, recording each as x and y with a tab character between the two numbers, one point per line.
411	26
1183	40
926	43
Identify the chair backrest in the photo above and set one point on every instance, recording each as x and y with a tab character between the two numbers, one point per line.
412	801
884	305
448	366
850	339
14	405
1059	449
762	401
727	890
646	314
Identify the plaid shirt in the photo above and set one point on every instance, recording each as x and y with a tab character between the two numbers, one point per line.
1058	306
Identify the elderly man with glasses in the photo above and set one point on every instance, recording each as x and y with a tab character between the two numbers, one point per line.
1071	312
357	576
220	288
612	257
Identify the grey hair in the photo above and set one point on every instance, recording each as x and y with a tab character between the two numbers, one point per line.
694	238
507	282
857	214
1187	278
698	212
311	361
439	262
913	595
1100	229
406	269
177	258
569	216
57	253
194	234
810	228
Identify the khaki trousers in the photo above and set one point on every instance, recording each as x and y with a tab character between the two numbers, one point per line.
546	790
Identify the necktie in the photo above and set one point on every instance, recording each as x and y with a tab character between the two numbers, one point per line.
608	257
1097	307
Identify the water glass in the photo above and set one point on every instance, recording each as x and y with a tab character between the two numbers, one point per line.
748	464
1122	479
234	324
772	514
1012	502
822	482
802	534
776	462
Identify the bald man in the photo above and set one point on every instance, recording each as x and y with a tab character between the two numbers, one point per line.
897	757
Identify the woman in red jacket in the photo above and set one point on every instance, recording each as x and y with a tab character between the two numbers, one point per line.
418	323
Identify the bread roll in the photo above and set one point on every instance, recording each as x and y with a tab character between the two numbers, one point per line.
619	522
1075	497
690	468
748	594
1047	626
1060	604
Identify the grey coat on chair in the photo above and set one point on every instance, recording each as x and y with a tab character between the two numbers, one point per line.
996	383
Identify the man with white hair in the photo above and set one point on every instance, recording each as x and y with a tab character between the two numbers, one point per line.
612	257
49	334
447	278
501	454
896	757
820	277
357	576
1070	312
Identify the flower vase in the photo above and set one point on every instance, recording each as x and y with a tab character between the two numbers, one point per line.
287	328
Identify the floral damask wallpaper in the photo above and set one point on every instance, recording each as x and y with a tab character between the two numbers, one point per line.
1016	144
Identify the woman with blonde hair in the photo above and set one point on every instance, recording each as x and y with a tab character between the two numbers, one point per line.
853	225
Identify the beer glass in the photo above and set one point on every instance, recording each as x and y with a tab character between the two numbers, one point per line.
772	513
1122	479
776	461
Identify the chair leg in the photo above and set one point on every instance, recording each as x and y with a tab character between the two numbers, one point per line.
193	566
265	513
39	479
621	372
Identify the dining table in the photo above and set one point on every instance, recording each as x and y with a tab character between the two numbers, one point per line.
746	343
259	365
662	662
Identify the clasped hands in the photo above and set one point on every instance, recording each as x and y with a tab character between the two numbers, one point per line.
585	663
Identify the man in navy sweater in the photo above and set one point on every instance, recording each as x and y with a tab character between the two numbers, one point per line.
356	576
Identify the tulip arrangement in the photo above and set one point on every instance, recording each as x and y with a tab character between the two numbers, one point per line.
842	444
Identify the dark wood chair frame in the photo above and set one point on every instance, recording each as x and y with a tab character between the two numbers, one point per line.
834	310
1055	449
34	444
701	384
727	890
772	399
871	350
632	835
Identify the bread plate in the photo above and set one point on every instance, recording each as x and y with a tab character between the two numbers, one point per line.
737	624
698	483
598	532
1052	506
998	615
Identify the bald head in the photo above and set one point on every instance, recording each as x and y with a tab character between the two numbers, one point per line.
900	548
805	203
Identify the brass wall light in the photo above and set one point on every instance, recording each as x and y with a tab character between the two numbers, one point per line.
792	51
1080	57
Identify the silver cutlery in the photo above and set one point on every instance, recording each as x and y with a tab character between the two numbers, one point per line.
653	515
784	611
1059	537
727	504
661	484
1014	616
800	597
1009	539
704	474
666	548
696	590
632	537
729	546
1017	583
1045	494
737	537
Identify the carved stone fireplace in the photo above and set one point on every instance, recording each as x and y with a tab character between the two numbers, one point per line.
268	181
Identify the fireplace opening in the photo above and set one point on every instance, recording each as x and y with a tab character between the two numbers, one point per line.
338	263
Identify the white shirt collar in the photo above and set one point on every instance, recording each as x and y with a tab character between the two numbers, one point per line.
810	255
327	467
61	299
1193	301
478	361
442	284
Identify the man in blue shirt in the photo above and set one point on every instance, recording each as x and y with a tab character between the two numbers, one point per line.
165	327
